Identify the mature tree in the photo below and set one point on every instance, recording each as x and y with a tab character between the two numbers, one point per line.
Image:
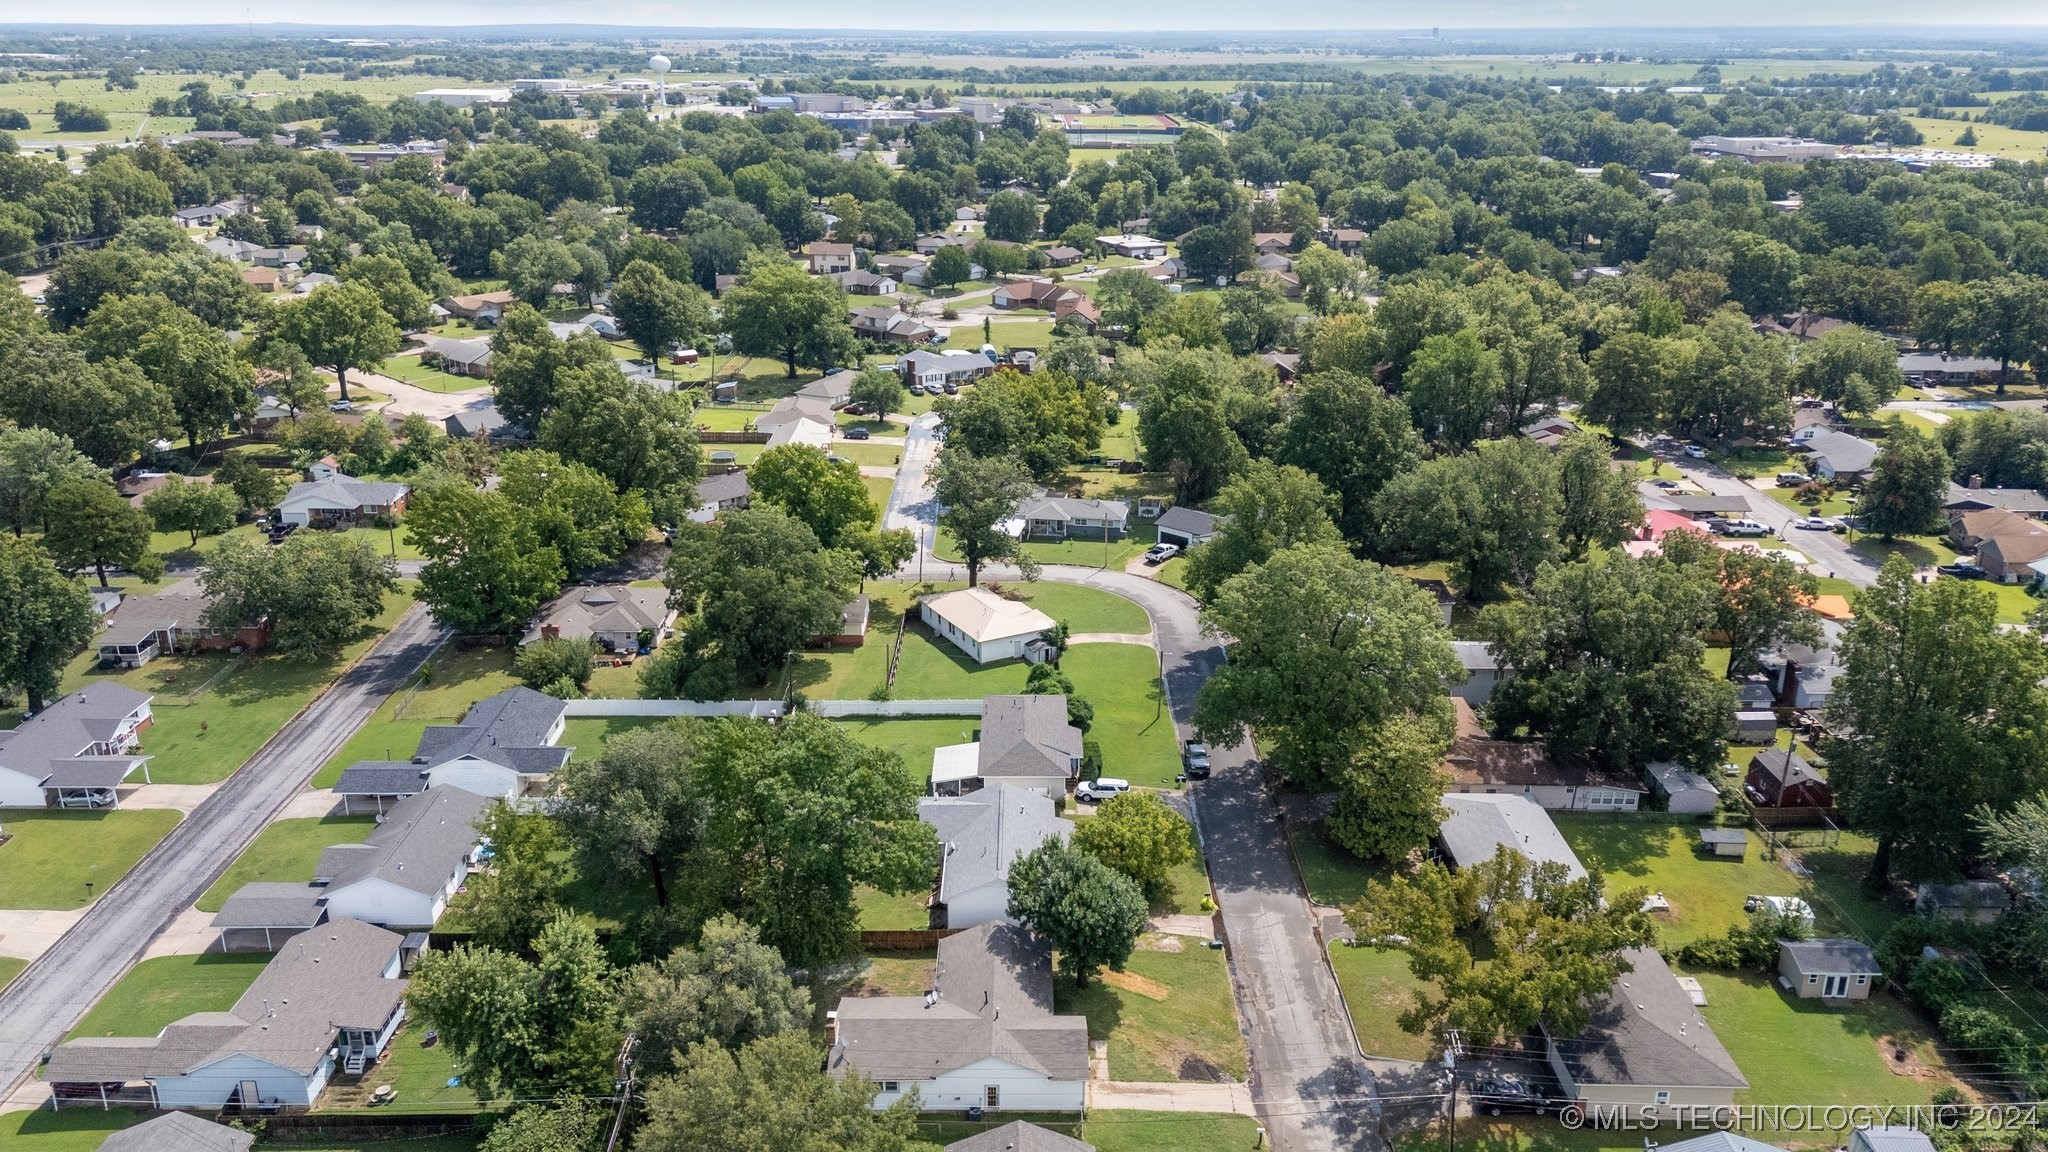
513	900
729	989
826	495
1012	216
338	327
1631	383
1939	712
2010	319
1326	649
527	359
1353	437
208	384
1202	416
1139	836
404	301
109	409
317	591
1127	296
1389	793
1043	420
976	494
1269	507
557	665
1552	943
33	461
881	393
524	1027
1730	381
637	436
1092	913
629	813
487	571
1329	280
533	264
1904	493
1760	601
751	589
186	506
1944	313
1600	504
949	266
658	313
573	508
567	1126
1453	386
1608	658
45	618
774	1095
881	551
91	526
796	815
1495	514
1825	367
779	310
661	195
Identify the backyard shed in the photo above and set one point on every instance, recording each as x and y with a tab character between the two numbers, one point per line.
1837	969
1730	842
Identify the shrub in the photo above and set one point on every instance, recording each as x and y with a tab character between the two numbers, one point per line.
544	663
1938	984
1747	947
1091	759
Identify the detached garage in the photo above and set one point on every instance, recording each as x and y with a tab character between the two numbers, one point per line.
1186	527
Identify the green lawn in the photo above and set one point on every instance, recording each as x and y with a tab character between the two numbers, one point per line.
881	912
913	739
1831	506
1797	1051
1919	551
1005	334
867	454
588	735
1116	1131
158	992
1084	609
74	1130
1131	721
1086	553
455	679
1705	891
932	669
10	967
2015	603
1189	888
1168	1016
420	374
286	850
1377	987
419	1074
1332	874
51	855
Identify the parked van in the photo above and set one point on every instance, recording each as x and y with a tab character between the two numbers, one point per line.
1096	791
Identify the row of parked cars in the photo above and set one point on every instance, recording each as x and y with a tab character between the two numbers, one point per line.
1194	761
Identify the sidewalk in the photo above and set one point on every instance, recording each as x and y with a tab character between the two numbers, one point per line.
1225	1097
1144	638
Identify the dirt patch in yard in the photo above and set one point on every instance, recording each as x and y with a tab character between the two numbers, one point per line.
1160	942
1142	985
1899	1060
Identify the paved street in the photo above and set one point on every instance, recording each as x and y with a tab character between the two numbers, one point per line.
1830	553
48	998
1310	1087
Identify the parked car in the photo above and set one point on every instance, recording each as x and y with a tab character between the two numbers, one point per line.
1792	479
1741	527
916	389
856	433
1161	553
342	406
1962	570
1813	523
1665	483
952	389
1696	451
1194	756
1500	1093
1098	790
278	534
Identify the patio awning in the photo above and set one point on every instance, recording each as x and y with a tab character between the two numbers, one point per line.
953	763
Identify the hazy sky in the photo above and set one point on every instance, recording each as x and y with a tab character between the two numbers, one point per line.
1044	14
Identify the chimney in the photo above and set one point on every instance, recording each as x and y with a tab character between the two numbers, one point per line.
550	631
831	1028
1976	479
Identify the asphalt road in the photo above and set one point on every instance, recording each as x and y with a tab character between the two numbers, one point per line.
55	991
1830	553
1312	1090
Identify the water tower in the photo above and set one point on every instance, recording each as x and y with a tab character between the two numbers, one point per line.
661	65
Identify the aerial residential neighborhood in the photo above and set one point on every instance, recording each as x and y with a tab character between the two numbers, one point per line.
1129	578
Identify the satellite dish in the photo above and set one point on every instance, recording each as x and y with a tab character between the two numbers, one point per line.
659	63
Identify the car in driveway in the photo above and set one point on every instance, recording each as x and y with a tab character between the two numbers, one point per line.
1962	570
1739	527
1098	790
1813	523
342	406
1696	451
1495	1094
1194	756
857	433
1161	553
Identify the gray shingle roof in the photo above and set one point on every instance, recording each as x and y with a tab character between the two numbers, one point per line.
69	729
1019	1136
179	1132
715	490
270	904
1644	1030
510	728
1479	824
1836	955
602	608
1027	736
423	840
1069	508
348	492
982	833
1843	452
382	778
1719	1142
1181	518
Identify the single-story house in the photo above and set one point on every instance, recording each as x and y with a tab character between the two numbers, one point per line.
984	1036
406	872
482	418
1978	901
1706	505
1133	247
834	388
1683	790
262	279
338	499
858	282
902	268
1781	778
1484	765
1285	365
1837	455
1976	498
1889	1138
2006	543
76	752
603	325
1483	674
269	412
1062	256
1550	432
1942	368
470	357
481	307
1802	326
1019	1136
721	493
1031	294
887	322
1479	825
938	369
795	409
983	624
853	626
981	834
616	616
1832	969
328	1005
1024	742
304	285
146	627
1278	262
1079	307
927	245
288	257
1729	842
1265	243
1645	1045
1070	518
201	215
229	248
1185	527
263	914
504	748
823	257
178	1132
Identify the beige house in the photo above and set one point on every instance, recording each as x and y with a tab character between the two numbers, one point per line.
1836	969
614	615
984	625
1645	1046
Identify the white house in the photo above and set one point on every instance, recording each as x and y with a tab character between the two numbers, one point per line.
983	624
980	835
937	369
503	749
721	493
1133	246
1186	527
984	1036
1685	791
1478	826
76	752
1484	765
329	1003
337	499
1025	743
1483	672
404	875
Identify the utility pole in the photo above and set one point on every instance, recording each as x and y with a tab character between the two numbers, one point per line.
1451	1071
623	1084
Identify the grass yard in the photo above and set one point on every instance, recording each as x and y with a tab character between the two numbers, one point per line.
589	735
419	1074
1117	1131
1758	460
420	374
1992	139
76	1130
1705	892
1168	1016
1331	873
1004	334
2015	603
455	679
1832	506
1084	609
1919	551
913	739
1085	553
1189	884
50	856
10	967
287	850
1131	721
1377	988
1797	1051
932	669
157	992
882	912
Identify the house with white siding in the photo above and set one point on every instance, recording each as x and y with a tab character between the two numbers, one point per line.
983	624
1482	764
980	835
406	872
983	1036
76	752
504	749
327	1005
